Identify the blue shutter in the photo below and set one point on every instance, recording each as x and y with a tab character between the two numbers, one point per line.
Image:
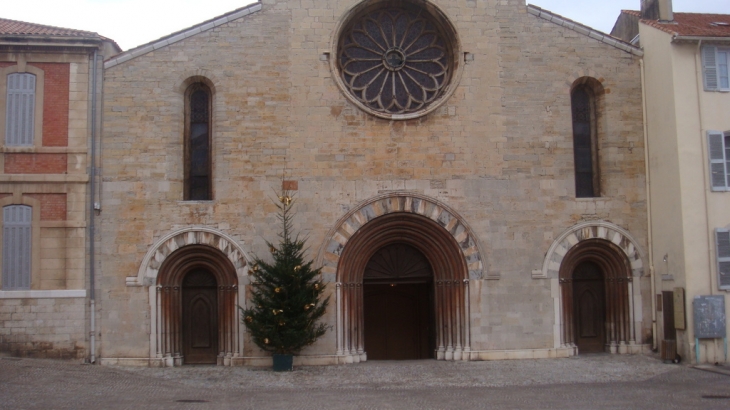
20	109
17	246
718	173
709	67
722	239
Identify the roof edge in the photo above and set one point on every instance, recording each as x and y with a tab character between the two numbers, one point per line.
677	38
583	29
182	35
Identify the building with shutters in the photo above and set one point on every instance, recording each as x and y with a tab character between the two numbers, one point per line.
686	58
470	177
46	130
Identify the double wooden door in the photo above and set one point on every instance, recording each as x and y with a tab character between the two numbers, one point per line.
398	304
200	318
398	321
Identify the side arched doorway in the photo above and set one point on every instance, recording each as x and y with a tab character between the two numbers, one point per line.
438	290
596	281
197	292
398	304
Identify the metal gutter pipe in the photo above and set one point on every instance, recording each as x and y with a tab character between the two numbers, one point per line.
92	197
648	209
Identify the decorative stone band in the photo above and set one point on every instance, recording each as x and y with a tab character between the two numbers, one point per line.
590	230
409	202
148	270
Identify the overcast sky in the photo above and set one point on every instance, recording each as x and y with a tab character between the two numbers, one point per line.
135	22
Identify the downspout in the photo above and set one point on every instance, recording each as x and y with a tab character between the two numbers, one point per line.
707	184
648	209
92	196
700	89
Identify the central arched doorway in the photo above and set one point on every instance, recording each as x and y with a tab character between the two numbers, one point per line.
398	304
448	308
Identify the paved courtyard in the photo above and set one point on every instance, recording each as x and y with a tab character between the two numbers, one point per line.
584	382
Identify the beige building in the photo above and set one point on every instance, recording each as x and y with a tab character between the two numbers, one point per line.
688	127
47	123
470	176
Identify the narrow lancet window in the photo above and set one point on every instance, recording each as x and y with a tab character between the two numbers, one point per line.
198	156
584	144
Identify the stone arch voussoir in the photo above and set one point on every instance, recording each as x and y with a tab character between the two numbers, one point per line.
165	246
592	230
406	202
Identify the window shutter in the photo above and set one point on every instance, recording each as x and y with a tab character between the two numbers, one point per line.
17	246
722	238
20	109
718	175
709	67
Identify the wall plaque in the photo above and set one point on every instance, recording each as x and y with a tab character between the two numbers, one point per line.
709	317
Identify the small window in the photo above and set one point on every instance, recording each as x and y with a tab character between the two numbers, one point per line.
722	240
718	144
715	68
584	142
16	246
197	144
20	109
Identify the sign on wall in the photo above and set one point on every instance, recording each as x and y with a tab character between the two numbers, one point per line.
709	317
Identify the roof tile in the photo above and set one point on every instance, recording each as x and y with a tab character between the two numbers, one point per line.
693	24
21	28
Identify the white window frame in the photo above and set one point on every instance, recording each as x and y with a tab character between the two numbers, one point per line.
717	153
713	69
17	248
722	236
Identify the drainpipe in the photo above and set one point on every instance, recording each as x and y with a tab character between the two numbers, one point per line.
92	209
648	210
703	139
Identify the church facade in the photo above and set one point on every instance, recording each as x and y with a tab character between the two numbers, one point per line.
470	177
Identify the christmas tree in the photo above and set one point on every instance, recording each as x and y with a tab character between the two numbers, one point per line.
285	303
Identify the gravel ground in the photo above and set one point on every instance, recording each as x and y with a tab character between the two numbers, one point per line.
593	382
596	368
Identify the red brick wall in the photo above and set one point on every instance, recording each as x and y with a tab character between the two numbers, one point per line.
53	206
55	103
35	163
4	64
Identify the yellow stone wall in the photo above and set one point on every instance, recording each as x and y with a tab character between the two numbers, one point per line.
499	152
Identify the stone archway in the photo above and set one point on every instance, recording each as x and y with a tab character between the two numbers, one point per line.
163	270
170	303
616	255
434	230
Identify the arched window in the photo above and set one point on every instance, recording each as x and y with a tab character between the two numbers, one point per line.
198	166
583	103
20	109
17	246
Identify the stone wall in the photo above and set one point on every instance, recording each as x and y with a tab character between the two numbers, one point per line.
51	328
499	152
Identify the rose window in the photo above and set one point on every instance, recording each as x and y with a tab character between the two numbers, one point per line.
395	61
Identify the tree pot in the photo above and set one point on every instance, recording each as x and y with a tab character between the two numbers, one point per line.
283	362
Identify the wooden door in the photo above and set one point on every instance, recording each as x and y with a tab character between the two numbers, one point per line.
590	308
398	305
200	318
397	321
